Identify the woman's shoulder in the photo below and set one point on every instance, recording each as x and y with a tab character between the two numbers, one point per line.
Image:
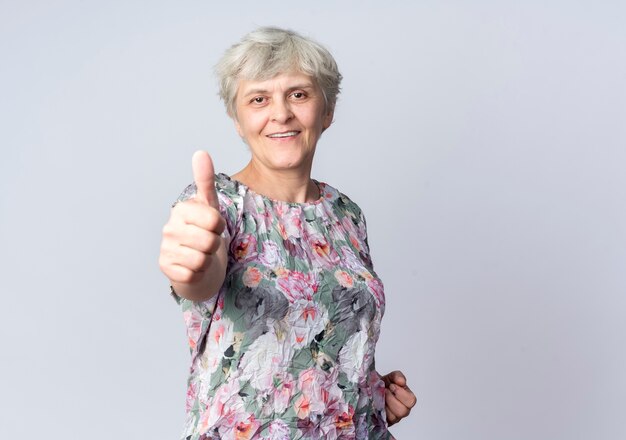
228	187
341	202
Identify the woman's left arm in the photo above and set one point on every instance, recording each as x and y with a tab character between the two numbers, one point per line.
399	399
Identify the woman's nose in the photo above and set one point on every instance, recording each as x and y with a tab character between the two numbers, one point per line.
281	112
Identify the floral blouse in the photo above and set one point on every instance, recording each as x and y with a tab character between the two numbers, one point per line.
285	350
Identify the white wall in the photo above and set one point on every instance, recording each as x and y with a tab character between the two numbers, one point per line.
485	141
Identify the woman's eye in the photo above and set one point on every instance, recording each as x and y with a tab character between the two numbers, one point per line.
298	95
258	100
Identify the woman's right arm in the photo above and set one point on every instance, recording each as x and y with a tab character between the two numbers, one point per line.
194	255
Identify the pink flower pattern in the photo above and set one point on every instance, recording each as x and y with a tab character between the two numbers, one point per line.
286	348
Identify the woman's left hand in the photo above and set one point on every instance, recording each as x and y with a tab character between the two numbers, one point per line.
399	399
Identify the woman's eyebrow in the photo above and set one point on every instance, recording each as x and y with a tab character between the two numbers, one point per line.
301	86
255	92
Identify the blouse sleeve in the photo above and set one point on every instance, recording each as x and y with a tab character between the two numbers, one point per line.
198	314
362	231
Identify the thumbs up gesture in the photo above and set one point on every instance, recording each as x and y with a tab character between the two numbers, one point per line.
193	253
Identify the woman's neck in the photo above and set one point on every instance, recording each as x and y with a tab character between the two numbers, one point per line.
293	186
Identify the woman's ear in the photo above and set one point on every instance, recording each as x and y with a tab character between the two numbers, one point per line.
328	118
237	126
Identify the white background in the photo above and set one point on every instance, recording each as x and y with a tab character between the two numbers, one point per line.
484	140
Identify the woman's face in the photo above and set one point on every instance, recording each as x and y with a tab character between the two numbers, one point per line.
281	120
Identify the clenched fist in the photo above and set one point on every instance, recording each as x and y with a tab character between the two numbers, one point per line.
399	399
193	253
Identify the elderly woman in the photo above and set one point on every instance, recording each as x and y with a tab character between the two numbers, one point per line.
272	268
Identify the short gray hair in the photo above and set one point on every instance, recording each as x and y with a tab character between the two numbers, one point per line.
268	51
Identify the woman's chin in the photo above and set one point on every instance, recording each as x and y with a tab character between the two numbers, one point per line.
290	163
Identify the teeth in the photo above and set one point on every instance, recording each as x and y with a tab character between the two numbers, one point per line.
281	135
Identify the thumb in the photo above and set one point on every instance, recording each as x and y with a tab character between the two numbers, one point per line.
204	177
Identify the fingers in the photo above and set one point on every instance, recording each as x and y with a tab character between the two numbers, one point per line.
180	274
199	239
399	399
181	263
392	418
395	377
395	411
187	249
191	259
204	177
403	395
200	215
395	408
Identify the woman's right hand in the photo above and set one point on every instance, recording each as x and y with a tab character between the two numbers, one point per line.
193	253
399	399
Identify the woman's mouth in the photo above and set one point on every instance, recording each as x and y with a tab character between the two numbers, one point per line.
283	134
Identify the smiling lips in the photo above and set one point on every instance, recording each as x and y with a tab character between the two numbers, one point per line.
283	135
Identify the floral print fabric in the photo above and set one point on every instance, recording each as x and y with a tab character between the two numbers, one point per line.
285	350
